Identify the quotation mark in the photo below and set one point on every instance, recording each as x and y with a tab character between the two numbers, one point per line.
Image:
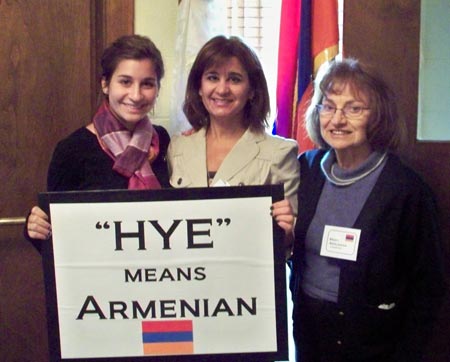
221	221
100	226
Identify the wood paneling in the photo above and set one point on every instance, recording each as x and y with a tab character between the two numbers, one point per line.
112	19
48	76
386	34
42	97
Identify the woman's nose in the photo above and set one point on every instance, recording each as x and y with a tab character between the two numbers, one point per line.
222	87
136	93
338	116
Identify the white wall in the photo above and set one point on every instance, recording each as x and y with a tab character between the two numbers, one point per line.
157	20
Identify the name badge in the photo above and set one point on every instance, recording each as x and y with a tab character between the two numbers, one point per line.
340	243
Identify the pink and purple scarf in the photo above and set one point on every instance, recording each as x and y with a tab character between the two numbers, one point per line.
132	152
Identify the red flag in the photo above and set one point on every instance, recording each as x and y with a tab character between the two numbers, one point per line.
324	47
287	66
315	40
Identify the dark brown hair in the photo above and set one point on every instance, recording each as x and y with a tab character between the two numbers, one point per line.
215	52
131	47
385	130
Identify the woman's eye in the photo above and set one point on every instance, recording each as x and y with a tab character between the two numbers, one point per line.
211	77
148	85
354	109
125	81
235	79
327	108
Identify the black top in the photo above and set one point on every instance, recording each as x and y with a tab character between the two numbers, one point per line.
79	163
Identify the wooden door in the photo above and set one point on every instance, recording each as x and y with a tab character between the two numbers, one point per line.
386	33
49	51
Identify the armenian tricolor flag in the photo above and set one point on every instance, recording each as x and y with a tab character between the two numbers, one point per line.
349	237
171	337
309	36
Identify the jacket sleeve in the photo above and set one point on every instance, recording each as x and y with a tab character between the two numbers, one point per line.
285	169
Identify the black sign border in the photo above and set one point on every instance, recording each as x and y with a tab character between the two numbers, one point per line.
275	191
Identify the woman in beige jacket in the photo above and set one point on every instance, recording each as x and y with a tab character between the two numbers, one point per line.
227	104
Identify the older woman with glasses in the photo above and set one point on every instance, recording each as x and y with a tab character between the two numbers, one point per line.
367	274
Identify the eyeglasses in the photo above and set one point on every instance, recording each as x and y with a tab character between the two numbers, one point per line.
349	111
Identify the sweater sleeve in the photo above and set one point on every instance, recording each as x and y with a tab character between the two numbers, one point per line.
65	171
426	286
63	175
160	164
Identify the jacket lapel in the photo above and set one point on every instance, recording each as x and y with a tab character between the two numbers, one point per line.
194	158
243	152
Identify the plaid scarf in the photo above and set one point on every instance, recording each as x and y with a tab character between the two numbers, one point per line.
132	152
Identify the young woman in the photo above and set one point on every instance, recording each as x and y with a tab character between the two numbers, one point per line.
119	148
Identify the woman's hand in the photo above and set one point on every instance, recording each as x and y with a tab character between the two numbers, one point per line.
283	215
38	226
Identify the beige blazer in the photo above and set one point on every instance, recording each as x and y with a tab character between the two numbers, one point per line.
256	159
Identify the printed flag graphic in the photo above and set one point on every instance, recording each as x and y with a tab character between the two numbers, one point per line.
168	337
349	237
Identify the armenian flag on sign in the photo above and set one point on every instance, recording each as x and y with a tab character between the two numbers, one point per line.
171	337
309	37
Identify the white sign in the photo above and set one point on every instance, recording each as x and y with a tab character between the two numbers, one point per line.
165	277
